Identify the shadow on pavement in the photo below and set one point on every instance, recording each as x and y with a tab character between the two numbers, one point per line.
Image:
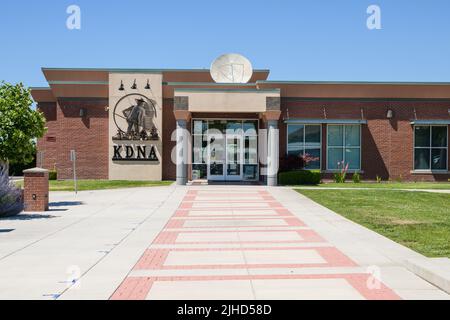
6	230
25	216
65	204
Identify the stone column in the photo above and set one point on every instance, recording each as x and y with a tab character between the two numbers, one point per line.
36	190
182	115
271	117
182	152
272	152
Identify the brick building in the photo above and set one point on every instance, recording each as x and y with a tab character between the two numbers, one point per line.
238	131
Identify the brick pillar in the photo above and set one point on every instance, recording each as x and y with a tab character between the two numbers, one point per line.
36	190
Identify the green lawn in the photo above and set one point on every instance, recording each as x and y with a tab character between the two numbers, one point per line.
418	220
390	185
83	185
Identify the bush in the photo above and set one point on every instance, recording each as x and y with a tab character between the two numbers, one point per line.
10	196
291	162
309	177
52	175
16	169
356	177
339	177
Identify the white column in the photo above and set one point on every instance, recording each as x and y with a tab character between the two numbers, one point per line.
182	152
272	153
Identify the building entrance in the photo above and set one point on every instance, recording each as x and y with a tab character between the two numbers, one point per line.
225	150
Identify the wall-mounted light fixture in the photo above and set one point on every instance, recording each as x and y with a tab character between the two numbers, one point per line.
390	114
121	88
82	113
134	86
147	87
448	111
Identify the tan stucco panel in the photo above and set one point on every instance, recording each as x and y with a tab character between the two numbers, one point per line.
227	101
135	170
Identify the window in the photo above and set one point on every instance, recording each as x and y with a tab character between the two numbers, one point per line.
305	140
344	145
430	147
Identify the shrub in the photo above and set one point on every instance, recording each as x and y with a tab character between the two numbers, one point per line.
356	177
379	179
10	196
308	177
52	175
291	162
339	177
296	162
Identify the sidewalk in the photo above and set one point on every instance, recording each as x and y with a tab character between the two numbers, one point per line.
268	243
41	253
199	242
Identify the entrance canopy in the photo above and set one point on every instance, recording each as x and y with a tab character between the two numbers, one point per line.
233	155
227	100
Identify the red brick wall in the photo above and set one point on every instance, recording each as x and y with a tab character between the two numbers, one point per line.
48	144
387	145
87	135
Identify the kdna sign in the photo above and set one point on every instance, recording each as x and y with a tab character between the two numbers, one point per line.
135	153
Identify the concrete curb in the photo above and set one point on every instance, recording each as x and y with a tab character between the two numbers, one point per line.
436	271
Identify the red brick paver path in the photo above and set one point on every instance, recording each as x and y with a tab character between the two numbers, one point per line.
243	241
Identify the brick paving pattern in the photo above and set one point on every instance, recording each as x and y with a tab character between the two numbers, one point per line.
221	244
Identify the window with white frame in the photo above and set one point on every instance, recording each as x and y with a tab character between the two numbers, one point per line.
430	147
344	146
305	140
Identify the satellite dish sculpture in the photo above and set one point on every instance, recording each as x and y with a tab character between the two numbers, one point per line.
231	68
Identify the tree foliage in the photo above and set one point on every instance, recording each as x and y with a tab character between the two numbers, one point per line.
20	125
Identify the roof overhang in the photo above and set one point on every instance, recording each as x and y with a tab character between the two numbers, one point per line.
325	121
359	90
431	122
42	94
227	100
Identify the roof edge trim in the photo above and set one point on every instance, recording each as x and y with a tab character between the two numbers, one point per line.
138	70
350	82
327	121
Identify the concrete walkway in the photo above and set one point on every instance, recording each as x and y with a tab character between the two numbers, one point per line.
385	189
86	244
203	242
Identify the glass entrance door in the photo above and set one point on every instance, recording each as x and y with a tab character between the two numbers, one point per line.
225	150
234	157
216	161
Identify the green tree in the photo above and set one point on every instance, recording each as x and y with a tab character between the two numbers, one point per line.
20	125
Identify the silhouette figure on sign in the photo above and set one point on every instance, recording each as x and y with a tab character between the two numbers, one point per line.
135	116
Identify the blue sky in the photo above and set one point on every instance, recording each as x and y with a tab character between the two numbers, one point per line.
297	40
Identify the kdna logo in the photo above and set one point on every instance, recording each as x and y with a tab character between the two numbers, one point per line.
135	153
